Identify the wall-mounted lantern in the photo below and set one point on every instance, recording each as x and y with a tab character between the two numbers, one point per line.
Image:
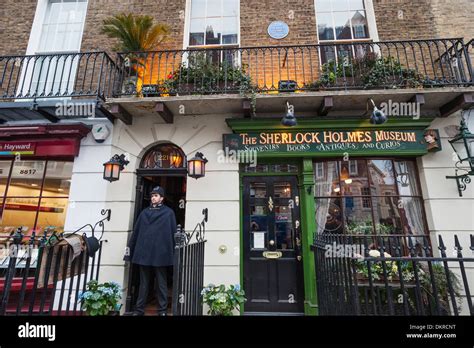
463	145
197	166
289	120
113	167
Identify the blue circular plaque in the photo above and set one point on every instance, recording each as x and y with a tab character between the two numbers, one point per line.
278	30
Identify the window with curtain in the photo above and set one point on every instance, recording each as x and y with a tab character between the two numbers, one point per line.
62	26
381	198
61	32
213	22
341	21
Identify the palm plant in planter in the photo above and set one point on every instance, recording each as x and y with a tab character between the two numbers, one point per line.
135	34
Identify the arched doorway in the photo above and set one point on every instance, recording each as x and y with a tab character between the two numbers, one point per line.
163	165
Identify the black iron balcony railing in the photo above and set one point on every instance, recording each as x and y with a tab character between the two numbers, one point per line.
245	70
60	75
358	65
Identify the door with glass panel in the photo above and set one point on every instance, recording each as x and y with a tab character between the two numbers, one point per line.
273	271
52	71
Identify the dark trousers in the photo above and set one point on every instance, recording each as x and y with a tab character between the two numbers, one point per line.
148	273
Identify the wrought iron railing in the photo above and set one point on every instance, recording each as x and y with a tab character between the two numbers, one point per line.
60	75
355	277
188	269
42	275
248	70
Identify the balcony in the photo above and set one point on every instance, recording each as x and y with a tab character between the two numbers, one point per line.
319	80
55	86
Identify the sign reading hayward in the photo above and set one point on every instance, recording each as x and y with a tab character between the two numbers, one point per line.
333	142
14	148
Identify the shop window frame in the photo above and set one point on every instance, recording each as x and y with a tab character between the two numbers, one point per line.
418	196
6	196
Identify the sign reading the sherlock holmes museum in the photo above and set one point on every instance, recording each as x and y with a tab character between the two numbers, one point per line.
331	142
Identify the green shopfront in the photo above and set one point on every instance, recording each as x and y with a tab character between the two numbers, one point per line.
321	176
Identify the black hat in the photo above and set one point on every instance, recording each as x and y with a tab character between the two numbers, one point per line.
92	245
159	190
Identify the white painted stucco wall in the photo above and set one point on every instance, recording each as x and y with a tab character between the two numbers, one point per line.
218	191
446	212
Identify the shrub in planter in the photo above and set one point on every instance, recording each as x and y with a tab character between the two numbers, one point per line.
222	300
202	76
101	299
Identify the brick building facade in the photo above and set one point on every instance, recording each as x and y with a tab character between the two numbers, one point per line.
326	70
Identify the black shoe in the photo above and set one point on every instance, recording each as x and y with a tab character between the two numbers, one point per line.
162	314
138	314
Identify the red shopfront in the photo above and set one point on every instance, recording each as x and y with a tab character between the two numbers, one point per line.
35	174
36	164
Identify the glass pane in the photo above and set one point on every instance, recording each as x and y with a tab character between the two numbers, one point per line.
283	227
258	218
326	179
196	32
27	177
323	6
359	25
406	178
329	215
342	25
229	30
381	177
328	54
411	211
19	212
354	178
325	26
213	31
165	157
58	178
282	190
357	218
340	5
52	214
4	173
387	216
258	190
214	8
231	8
356	4
198	8
262	168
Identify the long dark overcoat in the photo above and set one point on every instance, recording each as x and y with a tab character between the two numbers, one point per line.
152	242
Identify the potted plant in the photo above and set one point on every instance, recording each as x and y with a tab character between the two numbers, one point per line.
221	300
101	299
135	34
440	279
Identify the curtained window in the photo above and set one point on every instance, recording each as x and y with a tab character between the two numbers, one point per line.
382	197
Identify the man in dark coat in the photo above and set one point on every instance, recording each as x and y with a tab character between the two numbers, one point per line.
152	247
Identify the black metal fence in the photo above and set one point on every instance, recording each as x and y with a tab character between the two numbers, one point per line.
356	276
188	270
358	65
44	275
88	74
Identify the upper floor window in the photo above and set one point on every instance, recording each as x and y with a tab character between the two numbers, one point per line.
213	22
62	26
341	20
